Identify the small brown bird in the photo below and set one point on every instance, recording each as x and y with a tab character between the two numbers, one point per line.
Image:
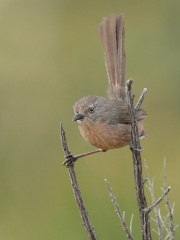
105	123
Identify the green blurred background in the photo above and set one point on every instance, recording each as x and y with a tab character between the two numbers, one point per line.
50	56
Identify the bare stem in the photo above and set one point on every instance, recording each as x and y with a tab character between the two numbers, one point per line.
170	212
83	211
150	187
131	224
141	98
157	201
119	213
139	182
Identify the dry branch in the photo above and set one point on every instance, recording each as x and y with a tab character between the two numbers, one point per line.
165	225
137	163
157	201
83	211
119	213
169	208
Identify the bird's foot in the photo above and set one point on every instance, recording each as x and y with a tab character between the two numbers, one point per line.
70	159
132	147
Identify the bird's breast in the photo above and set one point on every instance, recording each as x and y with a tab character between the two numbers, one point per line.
105	136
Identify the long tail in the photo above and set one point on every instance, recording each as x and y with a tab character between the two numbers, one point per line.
112	35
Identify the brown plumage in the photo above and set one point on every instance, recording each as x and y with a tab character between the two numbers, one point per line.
112	35
105	123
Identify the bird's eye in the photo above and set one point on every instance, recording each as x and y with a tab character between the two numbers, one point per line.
91	110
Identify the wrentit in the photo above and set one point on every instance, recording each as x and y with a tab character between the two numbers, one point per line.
105	123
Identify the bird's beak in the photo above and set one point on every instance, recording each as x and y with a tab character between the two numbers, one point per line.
78	117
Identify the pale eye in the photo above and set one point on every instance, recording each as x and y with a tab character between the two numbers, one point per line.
91	110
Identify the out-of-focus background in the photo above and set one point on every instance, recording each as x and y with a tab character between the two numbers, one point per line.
50	56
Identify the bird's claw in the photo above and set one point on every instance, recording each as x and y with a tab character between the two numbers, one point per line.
132	147
70	159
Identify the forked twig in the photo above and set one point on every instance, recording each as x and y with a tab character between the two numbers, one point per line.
149	209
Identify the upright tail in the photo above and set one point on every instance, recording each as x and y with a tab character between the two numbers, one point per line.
112	35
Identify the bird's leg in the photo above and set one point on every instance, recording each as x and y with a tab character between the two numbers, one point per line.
70	159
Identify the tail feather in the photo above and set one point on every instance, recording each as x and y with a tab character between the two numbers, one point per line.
112	35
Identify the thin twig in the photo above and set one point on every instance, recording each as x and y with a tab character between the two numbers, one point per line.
149	209
164	224
141	98
119	213
171	227
135	148
83	211
150	186
131	224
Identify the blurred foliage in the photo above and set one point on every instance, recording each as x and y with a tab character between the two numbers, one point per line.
50	56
